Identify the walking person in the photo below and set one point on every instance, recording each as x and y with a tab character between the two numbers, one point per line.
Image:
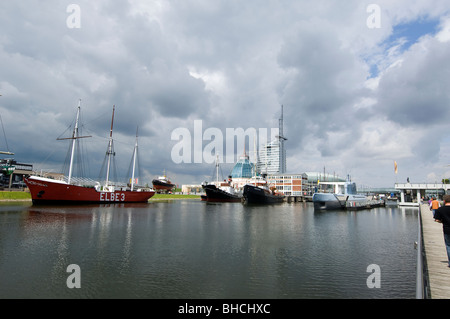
434	205
442	215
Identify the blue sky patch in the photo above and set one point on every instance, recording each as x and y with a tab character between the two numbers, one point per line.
412	32
404	36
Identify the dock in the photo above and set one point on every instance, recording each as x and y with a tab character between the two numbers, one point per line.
411	193
369	204
348	205
436	270
295	199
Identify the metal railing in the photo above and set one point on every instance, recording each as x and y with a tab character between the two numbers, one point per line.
421	273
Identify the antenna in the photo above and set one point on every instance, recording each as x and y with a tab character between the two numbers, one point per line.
281	139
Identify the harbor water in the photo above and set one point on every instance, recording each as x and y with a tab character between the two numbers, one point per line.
188	249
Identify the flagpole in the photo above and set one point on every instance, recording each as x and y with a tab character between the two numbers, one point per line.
396	171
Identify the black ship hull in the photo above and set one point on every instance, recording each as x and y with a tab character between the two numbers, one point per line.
162	186
214	194
256	195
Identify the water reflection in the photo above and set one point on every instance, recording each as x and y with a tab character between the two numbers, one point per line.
190	249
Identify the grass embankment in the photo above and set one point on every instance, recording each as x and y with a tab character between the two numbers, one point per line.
17	195
14	195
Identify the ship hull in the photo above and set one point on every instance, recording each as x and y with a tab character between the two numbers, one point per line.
331	201
326	201
256	195
214	194
47	191
162	186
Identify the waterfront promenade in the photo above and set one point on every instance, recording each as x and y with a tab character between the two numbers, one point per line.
436	256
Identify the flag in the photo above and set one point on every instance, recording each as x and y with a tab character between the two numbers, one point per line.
395	167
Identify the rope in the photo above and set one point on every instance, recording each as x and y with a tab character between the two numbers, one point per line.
4	134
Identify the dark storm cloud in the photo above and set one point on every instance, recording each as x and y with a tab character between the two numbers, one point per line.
325	84
231	64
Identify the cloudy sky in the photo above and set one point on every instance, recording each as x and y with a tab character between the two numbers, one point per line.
363	83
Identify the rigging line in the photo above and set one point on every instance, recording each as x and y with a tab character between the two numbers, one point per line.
100	137
67	129
102	115
45	160
59	137
4	134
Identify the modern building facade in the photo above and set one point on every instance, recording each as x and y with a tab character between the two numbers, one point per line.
12	173
290	184
303	184
270	159
242	171
243	168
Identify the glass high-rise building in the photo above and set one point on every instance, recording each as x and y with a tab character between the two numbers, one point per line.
272	158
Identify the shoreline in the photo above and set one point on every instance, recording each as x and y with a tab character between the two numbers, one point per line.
17	196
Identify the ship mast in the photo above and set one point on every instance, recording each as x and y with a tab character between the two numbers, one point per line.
217	169
110	150
74	138
134	160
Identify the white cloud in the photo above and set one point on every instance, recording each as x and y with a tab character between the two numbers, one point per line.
444	34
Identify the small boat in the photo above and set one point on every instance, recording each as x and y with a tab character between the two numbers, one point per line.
257	191
162	184
79	191
341	195
221	191
391	201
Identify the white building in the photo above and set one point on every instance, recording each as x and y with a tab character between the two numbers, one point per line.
272	158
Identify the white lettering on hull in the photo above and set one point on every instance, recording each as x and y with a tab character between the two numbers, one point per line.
112	197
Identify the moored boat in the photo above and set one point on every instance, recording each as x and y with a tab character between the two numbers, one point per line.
47	191
221	193
162	184
391	201
340	196
75	190
257	191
